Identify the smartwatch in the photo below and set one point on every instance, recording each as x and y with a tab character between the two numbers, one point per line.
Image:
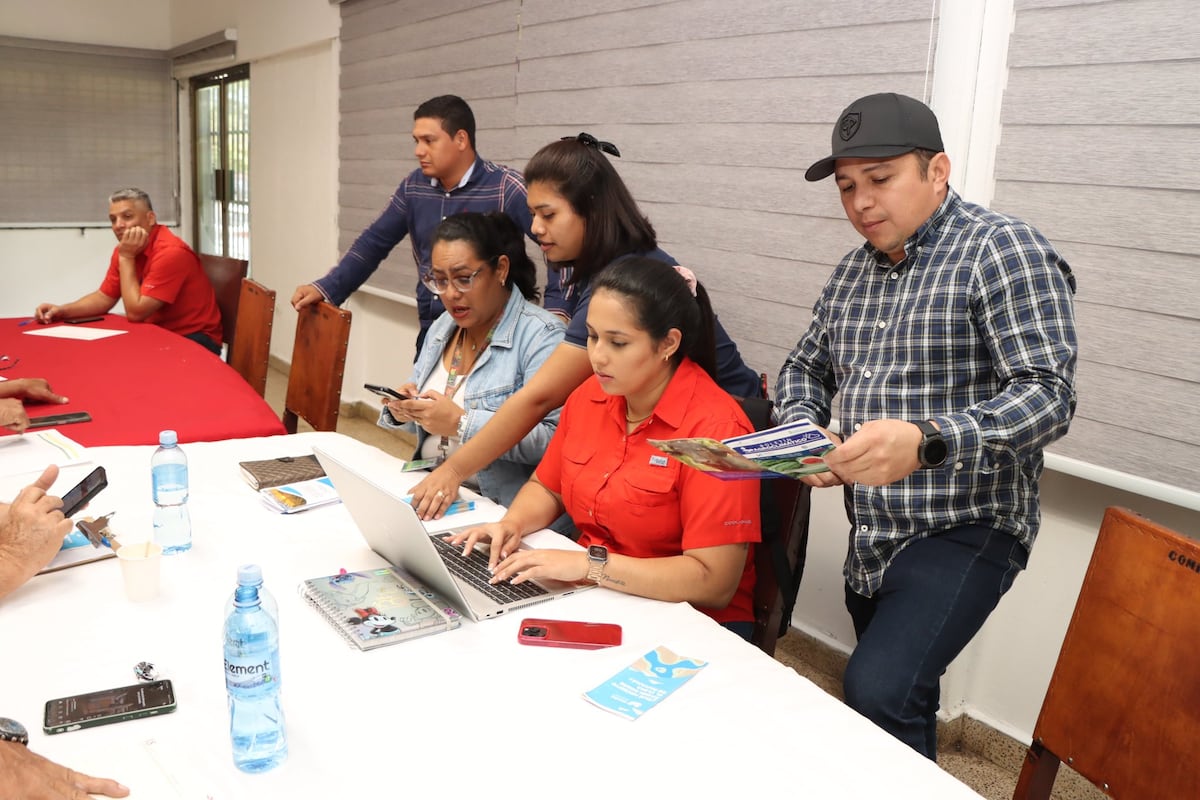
597	560
13	731
932	450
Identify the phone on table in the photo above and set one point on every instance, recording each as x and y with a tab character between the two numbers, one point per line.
85	490
106	707
51	420
78	320
568	633
385	391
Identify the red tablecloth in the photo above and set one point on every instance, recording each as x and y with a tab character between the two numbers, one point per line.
136	384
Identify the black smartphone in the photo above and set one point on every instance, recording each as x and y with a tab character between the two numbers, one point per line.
50	420
385	391
108	706
84	491
78	320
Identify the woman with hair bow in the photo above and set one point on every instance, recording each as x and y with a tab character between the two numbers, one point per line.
585	220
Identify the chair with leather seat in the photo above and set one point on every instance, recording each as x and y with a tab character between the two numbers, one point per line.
250	354
226	274
314	389
1123	706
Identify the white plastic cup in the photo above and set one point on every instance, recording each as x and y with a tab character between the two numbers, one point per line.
141	563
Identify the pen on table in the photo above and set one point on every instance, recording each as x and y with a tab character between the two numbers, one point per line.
23	323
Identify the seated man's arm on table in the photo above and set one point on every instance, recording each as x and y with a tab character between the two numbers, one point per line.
32	529
138	307
90	305
24	774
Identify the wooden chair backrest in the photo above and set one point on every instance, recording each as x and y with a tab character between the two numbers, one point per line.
314	390
251	354
1123	707
225	274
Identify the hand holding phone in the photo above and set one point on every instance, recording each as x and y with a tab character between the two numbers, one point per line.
85	490
385	391
568	633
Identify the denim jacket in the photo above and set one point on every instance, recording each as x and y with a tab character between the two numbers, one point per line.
524	339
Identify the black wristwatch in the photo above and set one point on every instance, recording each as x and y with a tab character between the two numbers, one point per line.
932	450
13	731
597	560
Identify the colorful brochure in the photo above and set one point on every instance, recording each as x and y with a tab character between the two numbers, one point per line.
785	451
645	683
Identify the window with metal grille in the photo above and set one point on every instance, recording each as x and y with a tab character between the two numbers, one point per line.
221	114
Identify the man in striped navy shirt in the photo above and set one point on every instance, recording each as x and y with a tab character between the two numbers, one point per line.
450	178
950	337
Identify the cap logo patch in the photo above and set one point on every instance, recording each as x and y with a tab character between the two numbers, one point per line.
849	125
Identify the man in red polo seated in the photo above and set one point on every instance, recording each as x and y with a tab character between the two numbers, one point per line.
154	273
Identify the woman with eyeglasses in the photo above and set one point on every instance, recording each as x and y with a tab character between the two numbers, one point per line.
488	343
585	220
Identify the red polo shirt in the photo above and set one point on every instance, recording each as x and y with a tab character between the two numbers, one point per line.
168	270
628	496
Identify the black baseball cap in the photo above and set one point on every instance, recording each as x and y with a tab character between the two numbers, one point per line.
880	126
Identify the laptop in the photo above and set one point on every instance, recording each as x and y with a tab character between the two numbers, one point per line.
394	531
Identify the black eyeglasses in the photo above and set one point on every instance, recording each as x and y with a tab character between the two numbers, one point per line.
587	140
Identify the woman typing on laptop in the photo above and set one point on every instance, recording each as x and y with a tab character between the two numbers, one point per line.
486	345
651	526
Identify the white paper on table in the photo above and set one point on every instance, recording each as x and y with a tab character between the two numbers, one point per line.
77	332
34	451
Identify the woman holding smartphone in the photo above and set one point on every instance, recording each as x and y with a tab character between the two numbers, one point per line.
488	343
585	220
652	527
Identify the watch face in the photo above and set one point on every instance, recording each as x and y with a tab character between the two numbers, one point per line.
934	451
597	552
13	731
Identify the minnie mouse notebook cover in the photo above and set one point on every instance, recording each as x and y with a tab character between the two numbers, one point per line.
378	607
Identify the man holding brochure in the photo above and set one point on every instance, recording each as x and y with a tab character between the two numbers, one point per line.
950	336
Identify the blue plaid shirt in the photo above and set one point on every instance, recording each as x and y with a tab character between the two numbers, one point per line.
975	329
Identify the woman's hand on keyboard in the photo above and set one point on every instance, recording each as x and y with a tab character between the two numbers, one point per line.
561	565
504	538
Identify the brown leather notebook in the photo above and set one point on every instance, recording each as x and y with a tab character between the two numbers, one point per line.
278	471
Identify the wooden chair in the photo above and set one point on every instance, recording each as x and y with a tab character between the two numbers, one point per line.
251	354
225	275
1123	707
314	389
779	558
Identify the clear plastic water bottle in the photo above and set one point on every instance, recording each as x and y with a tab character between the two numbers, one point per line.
169	484
256	723
266	599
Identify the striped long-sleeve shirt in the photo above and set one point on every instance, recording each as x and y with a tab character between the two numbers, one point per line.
974	329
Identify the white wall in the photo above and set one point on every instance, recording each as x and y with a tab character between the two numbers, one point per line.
146	25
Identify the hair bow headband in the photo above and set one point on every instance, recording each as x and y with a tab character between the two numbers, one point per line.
587	140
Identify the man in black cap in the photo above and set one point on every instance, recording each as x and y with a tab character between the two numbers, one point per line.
950	336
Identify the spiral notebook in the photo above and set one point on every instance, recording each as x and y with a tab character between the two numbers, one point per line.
378	607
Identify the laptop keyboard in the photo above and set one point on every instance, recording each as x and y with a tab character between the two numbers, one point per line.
474	570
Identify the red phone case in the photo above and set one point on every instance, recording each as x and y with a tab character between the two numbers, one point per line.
568	633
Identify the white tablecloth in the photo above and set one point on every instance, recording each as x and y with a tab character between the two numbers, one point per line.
465	711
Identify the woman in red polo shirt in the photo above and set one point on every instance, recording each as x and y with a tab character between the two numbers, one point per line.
651	526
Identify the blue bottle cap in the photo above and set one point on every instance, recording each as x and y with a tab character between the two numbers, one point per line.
168	438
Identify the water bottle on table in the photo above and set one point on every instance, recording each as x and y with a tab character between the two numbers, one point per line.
256	723
169	483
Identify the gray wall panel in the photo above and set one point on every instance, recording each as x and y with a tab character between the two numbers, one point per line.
1099	146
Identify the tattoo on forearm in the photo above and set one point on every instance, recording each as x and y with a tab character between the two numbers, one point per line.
610	579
